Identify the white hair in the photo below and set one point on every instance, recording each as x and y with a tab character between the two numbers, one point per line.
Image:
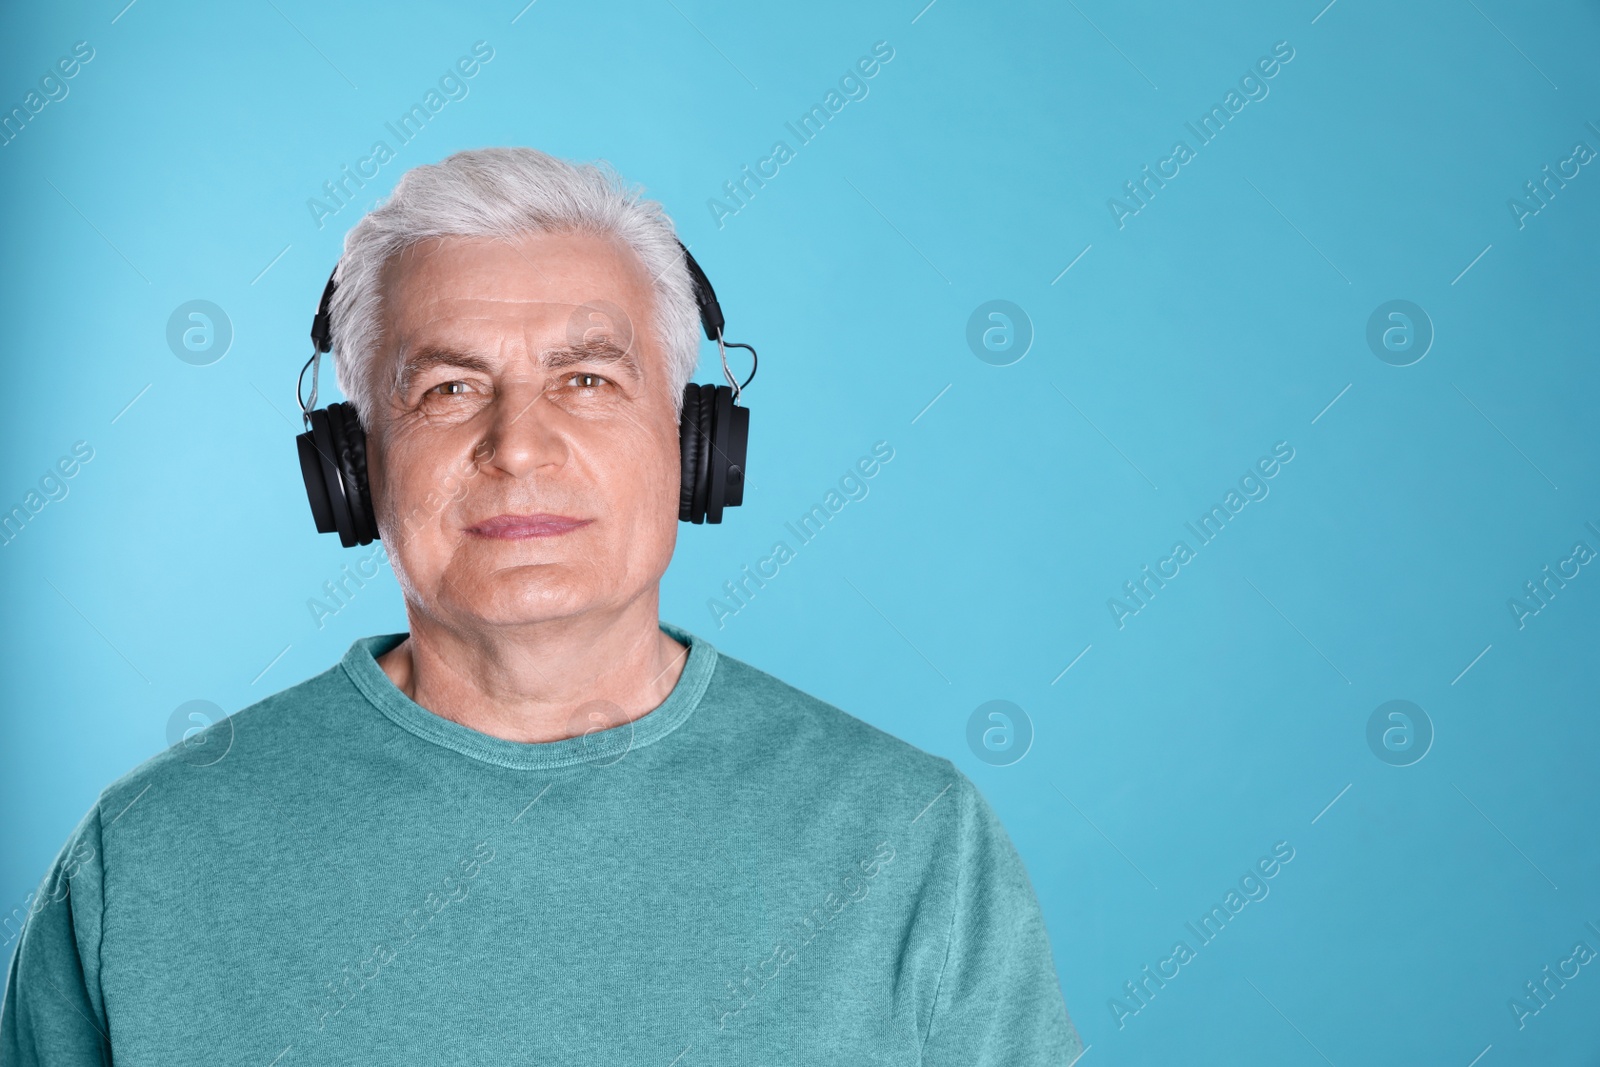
506	192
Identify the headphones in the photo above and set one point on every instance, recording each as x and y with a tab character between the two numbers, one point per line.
713	435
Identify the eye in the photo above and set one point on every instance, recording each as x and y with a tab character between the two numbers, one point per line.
446	388
584	380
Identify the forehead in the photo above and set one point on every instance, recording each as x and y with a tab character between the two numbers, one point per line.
544	281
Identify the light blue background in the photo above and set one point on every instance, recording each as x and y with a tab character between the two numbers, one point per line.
1224	317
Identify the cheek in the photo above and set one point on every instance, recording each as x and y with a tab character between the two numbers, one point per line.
642	497
415	492
637	464
651	475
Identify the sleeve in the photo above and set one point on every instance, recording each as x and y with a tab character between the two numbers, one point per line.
997	1000
53	1014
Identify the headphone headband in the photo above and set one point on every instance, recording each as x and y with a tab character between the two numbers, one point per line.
322	322
704	297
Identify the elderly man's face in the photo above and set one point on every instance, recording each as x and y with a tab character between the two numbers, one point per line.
514	400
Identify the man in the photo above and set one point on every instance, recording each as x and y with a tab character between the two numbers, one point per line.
541	826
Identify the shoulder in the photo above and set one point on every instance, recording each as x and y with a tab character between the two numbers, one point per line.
796	737
210	760
792	718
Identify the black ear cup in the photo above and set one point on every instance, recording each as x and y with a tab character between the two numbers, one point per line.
738	448
351	440
333	461
688	465
713	436
315	474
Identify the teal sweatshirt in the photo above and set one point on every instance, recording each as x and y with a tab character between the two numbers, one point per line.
336	875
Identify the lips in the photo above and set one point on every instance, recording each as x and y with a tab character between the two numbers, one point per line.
522	527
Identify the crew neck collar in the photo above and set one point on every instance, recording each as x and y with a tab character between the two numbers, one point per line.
360	663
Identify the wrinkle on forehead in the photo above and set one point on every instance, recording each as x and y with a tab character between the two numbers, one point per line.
421	252
471	305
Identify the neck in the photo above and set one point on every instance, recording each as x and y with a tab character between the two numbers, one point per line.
540	682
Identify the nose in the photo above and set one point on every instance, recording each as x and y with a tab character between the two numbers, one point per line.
524	434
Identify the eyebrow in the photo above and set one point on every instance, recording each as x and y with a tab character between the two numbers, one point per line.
429	356
599	350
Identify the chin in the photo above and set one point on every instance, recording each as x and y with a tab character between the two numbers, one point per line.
535	592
